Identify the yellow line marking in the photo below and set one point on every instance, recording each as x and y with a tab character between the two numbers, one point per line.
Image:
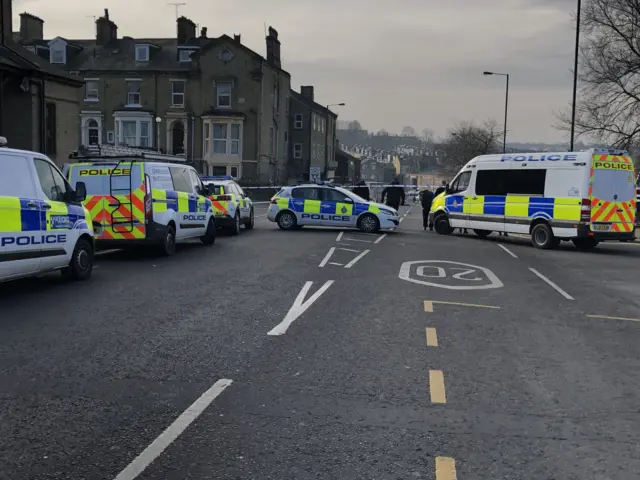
432	337
445	468
428	305
436	386
614	318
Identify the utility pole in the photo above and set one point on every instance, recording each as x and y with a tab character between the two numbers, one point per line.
177	5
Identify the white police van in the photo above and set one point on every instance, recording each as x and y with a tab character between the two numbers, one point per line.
43	224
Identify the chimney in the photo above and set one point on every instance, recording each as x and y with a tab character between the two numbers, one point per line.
307	92
237	38
273	47
186	30
6	24
31	27
203	32
106	30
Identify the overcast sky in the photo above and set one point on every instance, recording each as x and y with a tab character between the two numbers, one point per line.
409	62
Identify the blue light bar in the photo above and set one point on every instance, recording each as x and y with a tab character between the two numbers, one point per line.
220	177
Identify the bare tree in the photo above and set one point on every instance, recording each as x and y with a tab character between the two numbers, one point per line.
354	125
608	109
409	132
427	136
383	133
468	140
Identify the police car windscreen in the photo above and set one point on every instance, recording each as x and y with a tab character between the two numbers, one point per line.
98	181
609	183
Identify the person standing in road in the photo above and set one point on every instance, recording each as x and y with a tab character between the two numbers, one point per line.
426	199
394	194
362	190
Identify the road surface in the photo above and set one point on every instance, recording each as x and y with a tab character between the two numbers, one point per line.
317	354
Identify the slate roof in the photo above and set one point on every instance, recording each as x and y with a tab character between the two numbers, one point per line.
312	104
14	55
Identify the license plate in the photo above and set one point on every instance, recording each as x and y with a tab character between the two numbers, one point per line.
602	227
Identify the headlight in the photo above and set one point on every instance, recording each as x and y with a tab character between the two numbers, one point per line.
388	212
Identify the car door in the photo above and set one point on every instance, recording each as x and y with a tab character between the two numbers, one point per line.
20	214
455	200
57	218
245	202
187	224
197	202
306	205
337	208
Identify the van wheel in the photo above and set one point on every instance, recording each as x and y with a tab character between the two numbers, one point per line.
81	264
482	233
368	223
250	223
168	247
442	226
235	229
209	237
542	237
286	221
585	244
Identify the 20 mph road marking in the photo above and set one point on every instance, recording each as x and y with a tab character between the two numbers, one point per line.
553	285
159	445
300	305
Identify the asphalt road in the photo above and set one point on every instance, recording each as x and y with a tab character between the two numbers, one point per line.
213	365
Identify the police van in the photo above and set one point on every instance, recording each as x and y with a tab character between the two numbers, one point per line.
43	225
586	197
140	197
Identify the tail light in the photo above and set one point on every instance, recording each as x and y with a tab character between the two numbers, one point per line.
585	210
223	198
148	200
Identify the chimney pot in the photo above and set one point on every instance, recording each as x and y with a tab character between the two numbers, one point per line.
106	30
31	27
203	32
307	92
186	30
237	38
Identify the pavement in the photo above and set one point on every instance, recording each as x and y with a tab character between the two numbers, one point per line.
320	354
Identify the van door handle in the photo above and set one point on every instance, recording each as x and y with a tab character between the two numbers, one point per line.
46	206
32	205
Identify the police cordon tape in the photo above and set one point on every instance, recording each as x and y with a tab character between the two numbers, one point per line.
348	187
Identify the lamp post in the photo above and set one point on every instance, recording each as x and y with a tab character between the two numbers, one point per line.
158	120
326	138
506	108
575	77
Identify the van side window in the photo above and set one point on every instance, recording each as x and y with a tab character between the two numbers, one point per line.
195	181
51	181
461	183
491	182
181	179
526	182
16	180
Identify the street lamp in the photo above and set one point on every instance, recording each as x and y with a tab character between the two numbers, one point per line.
506	108
326	138
158	120
575	76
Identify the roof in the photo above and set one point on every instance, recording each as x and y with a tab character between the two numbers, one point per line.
310	103
348	156
14	55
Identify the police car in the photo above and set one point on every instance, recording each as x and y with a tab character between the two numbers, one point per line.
140	197
231	205
586	197
328	206
43	225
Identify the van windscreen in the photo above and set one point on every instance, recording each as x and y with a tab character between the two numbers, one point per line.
97	178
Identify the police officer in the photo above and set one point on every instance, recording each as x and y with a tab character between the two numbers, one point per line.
394	194
426	198
362	190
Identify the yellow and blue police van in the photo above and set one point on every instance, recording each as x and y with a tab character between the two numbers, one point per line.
140	197
586	197
43	225
329	206
231	206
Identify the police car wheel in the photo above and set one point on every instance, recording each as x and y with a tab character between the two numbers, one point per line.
482	233
286	221
542	236
442	226
81	264
235	229
585	243
209	237
249	223
169	241
368	223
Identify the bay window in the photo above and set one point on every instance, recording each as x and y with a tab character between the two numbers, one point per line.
133	131
221	137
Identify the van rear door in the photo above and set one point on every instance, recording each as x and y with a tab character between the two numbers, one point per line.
612	194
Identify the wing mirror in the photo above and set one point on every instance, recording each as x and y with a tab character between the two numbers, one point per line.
80	193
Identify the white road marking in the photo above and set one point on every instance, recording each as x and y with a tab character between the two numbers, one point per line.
508	251
381	238
353	262
358	240
106	252
300	305
258	216
336	264
349	250
345	244
327	257
553	285
159	445
339	236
